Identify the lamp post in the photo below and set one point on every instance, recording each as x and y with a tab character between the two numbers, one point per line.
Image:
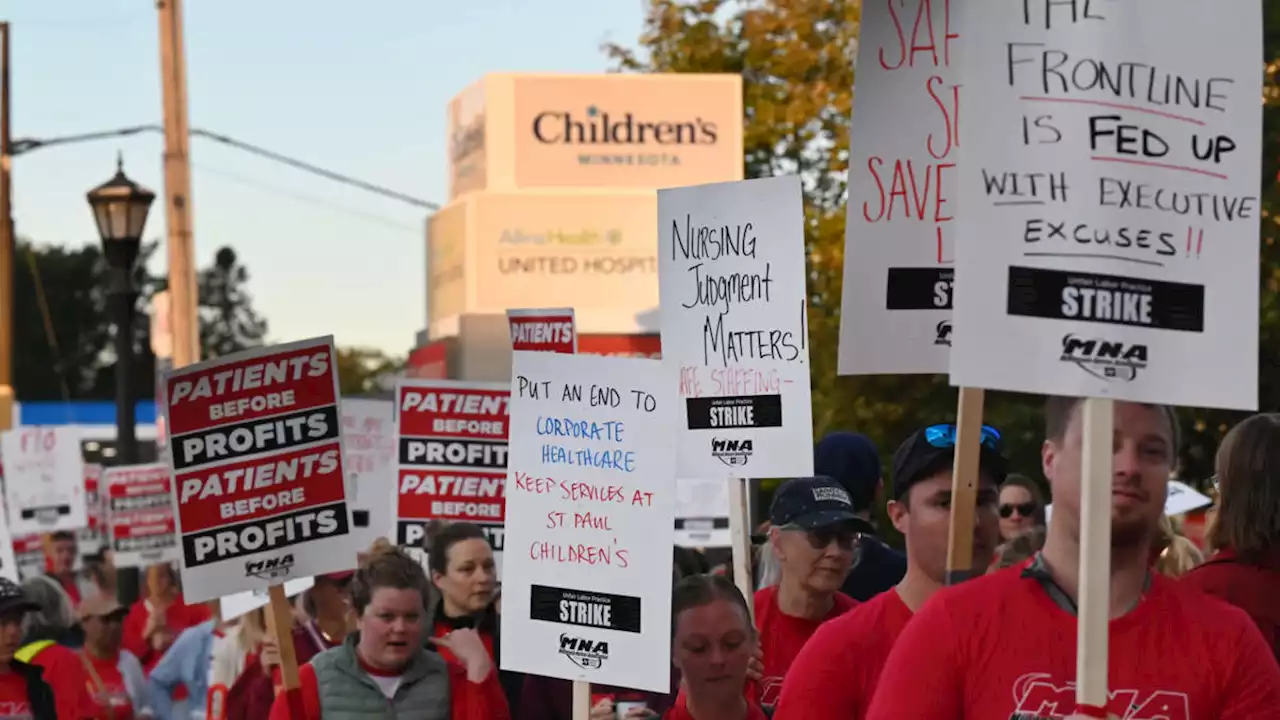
120	209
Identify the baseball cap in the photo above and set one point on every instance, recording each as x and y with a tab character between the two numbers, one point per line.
13	599
337	578
933	448
852	460
101	606
811	503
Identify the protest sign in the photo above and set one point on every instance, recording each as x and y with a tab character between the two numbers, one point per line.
233	606
702	513
90	539
140	515
368	436
452	440
592	491
1110	195
734	310
544	330
9	567
44	479
29	556
899	249
256	451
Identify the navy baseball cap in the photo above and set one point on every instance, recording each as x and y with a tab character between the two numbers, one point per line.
812	503
932	449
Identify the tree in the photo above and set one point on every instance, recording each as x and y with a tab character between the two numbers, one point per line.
796	59
228	322
361	371
60	292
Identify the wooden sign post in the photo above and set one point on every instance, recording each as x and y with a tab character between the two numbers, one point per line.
964	484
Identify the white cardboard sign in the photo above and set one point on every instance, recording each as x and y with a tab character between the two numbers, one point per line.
233	606
1110	197
8	556
591	492
702	513
731	274
258	469
44	479
369	440
899	249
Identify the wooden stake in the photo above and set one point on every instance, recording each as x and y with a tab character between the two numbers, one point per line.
964	484
740	536
280	625
1095	552
581	700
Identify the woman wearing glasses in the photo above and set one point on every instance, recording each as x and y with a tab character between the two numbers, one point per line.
1021	507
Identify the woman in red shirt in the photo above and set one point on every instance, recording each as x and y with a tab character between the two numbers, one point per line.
23	692
712	642
155	621
115	682
1245	569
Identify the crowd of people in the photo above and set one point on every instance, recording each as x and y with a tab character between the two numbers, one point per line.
841	626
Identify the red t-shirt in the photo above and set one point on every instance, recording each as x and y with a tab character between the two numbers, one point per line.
13	697
680	711
65	674
782	636
112	698
178	616
835	675
999	647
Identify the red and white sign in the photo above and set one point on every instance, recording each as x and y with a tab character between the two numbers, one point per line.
369	438
452	439
44	479
140	515
29	556
543	330
256	453
90	539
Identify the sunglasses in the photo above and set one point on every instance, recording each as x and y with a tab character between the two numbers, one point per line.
1024	510
821	538
944	436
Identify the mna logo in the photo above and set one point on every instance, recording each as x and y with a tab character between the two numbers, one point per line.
269	569
943	333
586	654
734	453
1104	359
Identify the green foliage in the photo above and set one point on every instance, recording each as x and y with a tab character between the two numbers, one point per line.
364	371
228	322
796	60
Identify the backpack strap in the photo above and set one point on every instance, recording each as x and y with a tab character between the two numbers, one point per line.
28	652
96	679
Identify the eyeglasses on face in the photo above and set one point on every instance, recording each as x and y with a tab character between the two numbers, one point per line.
821	538
1025	510
944	436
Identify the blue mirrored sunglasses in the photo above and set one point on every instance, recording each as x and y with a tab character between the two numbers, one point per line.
944	436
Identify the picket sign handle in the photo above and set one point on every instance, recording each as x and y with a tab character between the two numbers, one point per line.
280	625
964	484
581	700
740	536
1095	552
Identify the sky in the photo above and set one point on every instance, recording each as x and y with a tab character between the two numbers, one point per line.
360	92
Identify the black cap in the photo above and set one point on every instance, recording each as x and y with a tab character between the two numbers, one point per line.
13	599
917	458
852	460
811	503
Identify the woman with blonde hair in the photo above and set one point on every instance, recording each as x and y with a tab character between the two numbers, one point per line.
1244	569
1177	555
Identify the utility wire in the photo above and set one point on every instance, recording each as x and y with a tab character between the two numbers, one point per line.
24	145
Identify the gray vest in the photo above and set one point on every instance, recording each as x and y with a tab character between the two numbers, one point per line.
348	693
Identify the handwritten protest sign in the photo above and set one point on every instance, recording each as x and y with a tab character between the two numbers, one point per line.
44	479
256	453
1110	241
140	515
735	321
899	250
452	440
543	330
592	486
369	439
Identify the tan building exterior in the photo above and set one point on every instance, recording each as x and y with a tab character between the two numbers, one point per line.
552	193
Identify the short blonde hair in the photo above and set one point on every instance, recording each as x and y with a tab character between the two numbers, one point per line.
1179	555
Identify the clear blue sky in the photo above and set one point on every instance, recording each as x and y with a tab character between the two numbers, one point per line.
357	87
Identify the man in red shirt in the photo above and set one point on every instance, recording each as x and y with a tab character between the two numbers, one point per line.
835	675
1004	645
813	534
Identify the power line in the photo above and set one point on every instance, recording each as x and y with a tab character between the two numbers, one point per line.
24	145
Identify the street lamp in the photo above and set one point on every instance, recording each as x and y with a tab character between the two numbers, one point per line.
120	209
